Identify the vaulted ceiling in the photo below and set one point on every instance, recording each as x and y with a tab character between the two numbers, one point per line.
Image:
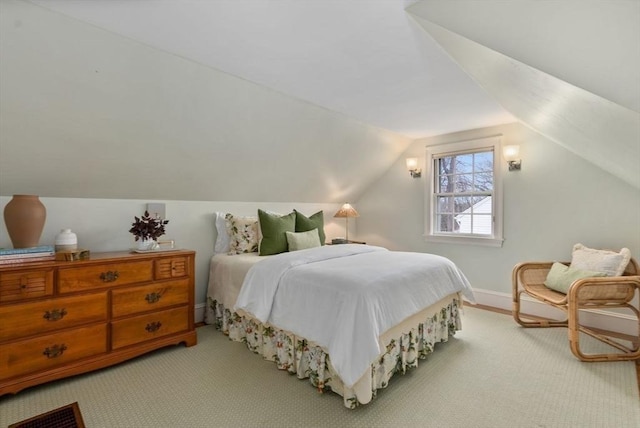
569	69
578	61
367	59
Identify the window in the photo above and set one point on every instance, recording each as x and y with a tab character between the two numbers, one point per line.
464	193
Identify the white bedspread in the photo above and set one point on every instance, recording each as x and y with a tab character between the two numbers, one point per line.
343	297
226	275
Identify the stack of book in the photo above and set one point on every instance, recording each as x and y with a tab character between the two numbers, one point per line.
23	255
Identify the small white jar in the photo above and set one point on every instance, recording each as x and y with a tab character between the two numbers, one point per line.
66	240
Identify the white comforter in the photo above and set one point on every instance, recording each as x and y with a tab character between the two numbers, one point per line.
343	297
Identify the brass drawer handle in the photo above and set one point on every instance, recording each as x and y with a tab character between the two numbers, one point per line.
152	327
55	314
109	276
153	297
55	351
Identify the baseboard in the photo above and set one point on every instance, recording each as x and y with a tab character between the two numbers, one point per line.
604	320
198	315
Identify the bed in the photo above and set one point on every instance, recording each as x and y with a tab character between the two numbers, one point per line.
347	317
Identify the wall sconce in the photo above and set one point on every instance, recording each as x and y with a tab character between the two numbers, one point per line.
512	156
412	166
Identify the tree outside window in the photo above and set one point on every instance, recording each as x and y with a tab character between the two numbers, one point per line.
463	195
464	199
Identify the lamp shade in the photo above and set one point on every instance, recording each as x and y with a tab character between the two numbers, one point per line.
346	211
412	164
511	152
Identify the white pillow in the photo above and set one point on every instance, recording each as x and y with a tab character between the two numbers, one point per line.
222	234
609	262
303	240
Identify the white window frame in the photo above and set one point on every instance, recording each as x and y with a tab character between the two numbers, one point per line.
432	152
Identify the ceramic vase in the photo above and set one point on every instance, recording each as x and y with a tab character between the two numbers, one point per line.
147	244
66	240
24	217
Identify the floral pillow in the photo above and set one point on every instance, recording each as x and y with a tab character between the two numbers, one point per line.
243	234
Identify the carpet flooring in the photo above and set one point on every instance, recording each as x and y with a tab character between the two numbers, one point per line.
494	373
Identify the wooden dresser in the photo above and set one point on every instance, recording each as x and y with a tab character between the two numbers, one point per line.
59	319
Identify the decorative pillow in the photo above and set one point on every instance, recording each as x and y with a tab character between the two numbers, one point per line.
316	221
243	234
610	262
260	229
274	228
560	277
303	240
222	233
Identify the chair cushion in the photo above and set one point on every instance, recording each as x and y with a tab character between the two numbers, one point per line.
560	277
610	262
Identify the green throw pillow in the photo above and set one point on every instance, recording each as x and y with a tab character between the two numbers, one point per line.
303	240
560	277
274	228
305	224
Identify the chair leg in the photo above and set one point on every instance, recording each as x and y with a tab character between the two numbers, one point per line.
629	353
533	324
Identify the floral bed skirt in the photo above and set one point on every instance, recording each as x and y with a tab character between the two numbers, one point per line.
404	345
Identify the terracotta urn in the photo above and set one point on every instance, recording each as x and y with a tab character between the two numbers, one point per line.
24	217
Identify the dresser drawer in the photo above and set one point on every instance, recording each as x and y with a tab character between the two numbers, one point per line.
41	353
146	327
173	267
132	300
25	284
107	275
46	316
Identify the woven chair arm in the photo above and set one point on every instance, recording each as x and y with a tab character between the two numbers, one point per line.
606	288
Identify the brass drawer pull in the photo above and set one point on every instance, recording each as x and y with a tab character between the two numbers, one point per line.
55	314
152	327
109	276
55	351
153	297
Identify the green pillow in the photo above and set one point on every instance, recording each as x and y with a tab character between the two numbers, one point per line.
305	224
303	240
560	277
274	228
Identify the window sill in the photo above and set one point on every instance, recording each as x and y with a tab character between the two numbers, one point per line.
464	240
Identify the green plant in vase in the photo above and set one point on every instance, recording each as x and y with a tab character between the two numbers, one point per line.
147	230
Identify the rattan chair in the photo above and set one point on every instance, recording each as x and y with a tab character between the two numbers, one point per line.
589	293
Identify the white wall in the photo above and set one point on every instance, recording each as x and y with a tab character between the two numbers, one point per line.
85	113
555	201
103	225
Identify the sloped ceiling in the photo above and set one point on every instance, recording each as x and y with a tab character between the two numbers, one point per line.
578	87
365	59
228	100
